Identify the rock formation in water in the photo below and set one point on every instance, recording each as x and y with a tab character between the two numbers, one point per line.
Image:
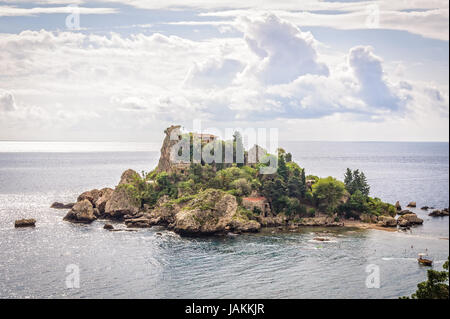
58	205
439	213
411	204
198	210
409	220
25	223
173	135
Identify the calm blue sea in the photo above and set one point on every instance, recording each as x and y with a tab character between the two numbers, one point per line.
33	262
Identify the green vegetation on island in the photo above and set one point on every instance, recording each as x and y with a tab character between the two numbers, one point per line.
289	191
218	187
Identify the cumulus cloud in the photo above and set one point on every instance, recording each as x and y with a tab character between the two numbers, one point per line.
285	52
213	72
368	69
7	103
123	86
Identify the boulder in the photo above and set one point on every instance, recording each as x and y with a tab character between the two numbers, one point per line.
424	208
439	213
387	221
81	212
409	220
58	205
368	218
100	204
128	177
172	137
412	204
25	223
92	196
245	226
108	227
404	223
121	203
273	221
209	212
397	205
138	223
404	212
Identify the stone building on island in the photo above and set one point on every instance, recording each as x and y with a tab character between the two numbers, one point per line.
258	203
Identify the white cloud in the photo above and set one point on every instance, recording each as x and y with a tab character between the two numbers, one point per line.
75	85
7	103
284	52
426	18
213	72
9	11
368	69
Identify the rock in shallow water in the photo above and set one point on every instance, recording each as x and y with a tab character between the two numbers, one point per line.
409	220
412	204
439	213
404	212
58	205
25	223
100	204
92	196
81	212
387	221
120	204
138	223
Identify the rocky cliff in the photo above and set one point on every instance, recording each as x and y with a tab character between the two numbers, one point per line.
172	137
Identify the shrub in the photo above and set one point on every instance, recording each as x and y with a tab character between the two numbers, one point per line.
242	187
328	192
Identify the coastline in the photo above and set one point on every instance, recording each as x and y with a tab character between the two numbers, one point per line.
361	225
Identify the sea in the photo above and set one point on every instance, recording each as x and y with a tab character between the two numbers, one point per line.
57	259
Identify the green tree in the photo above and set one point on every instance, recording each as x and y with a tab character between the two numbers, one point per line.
294	185
282	168
288	157
356	181
275	192
363	186
303	180
165	185
328	192
242	187
356	205
348	180
436	286
142	190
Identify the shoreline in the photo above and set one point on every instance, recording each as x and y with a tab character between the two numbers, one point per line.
361	225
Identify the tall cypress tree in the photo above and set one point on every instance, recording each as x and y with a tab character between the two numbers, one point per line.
282	168
303	186
363	186
348	179
295	184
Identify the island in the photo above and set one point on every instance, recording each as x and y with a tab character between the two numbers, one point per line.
195	198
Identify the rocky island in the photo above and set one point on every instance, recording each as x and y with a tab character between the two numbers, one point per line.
197	198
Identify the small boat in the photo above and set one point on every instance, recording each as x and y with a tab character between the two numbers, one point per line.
424	260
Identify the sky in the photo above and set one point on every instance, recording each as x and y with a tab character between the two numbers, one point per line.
116	70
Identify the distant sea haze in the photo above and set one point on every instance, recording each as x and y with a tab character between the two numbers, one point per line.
142	264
